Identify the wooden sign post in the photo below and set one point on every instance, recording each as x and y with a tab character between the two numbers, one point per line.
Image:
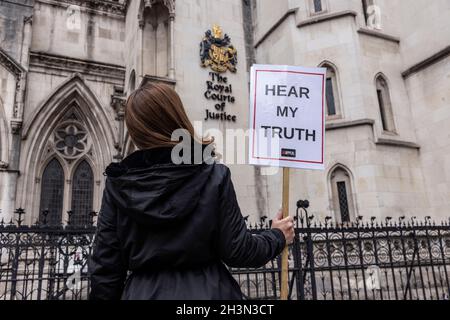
287	127
285	255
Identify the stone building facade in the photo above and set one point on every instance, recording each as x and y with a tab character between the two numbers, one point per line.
67	66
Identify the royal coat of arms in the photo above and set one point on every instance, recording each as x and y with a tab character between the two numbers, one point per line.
217	52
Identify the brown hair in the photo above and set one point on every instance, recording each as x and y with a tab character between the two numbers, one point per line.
152	113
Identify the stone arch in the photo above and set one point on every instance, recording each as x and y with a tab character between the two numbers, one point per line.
330	64
382	86
148	4
53	217
342	195
381	75
89	160
72	101
98	173
156	22
333	92
74	86
46	160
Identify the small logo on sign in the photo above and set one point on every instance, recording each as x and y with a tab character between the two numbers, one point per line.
288	153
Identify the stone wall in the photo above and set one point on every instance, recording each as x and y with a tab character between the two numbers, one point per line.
430	97
388	173
12	14
74	57
87	54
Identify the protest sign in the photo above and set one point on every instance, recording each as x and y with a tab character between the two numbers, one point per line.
287	117
287	126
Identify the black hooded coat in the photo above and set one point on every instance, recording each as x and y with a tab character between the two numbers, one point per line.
166	231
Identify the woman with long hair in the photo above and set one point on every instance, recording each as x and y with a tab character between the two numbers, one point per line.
168	230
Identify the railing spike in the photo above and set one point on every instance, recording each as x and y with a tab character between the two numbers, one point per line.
20	212
69	214
45	216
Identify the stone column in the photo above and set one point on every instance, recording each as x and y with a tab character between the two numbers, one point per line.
140	73
172	46
26	40
118	104
261	181
7	196
24	61
11	173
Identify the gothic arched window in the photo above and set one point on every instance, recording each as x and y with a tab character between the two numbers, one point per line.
82	194
332	92
52	193
342	196
384	104
155	27
318	6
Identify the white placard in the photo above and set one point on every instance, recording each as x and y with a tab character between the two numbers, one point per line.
287	116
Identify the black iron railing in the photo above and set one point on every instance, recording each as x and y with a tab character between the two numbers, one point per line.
46	260
393	260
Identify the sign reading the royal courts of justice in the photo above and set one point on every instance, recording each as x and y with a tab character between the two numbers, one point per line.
287	117
217	53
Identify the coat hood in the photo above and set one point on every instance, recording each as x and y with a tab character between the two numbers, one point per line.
152	190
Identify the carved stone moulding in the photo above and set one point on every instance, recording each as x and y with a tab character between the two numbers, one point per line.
117	7
11	65
71	140
147	78
148	4
57	62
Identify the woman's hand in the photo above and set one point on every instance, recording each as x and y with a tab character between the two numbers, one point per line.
286	225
